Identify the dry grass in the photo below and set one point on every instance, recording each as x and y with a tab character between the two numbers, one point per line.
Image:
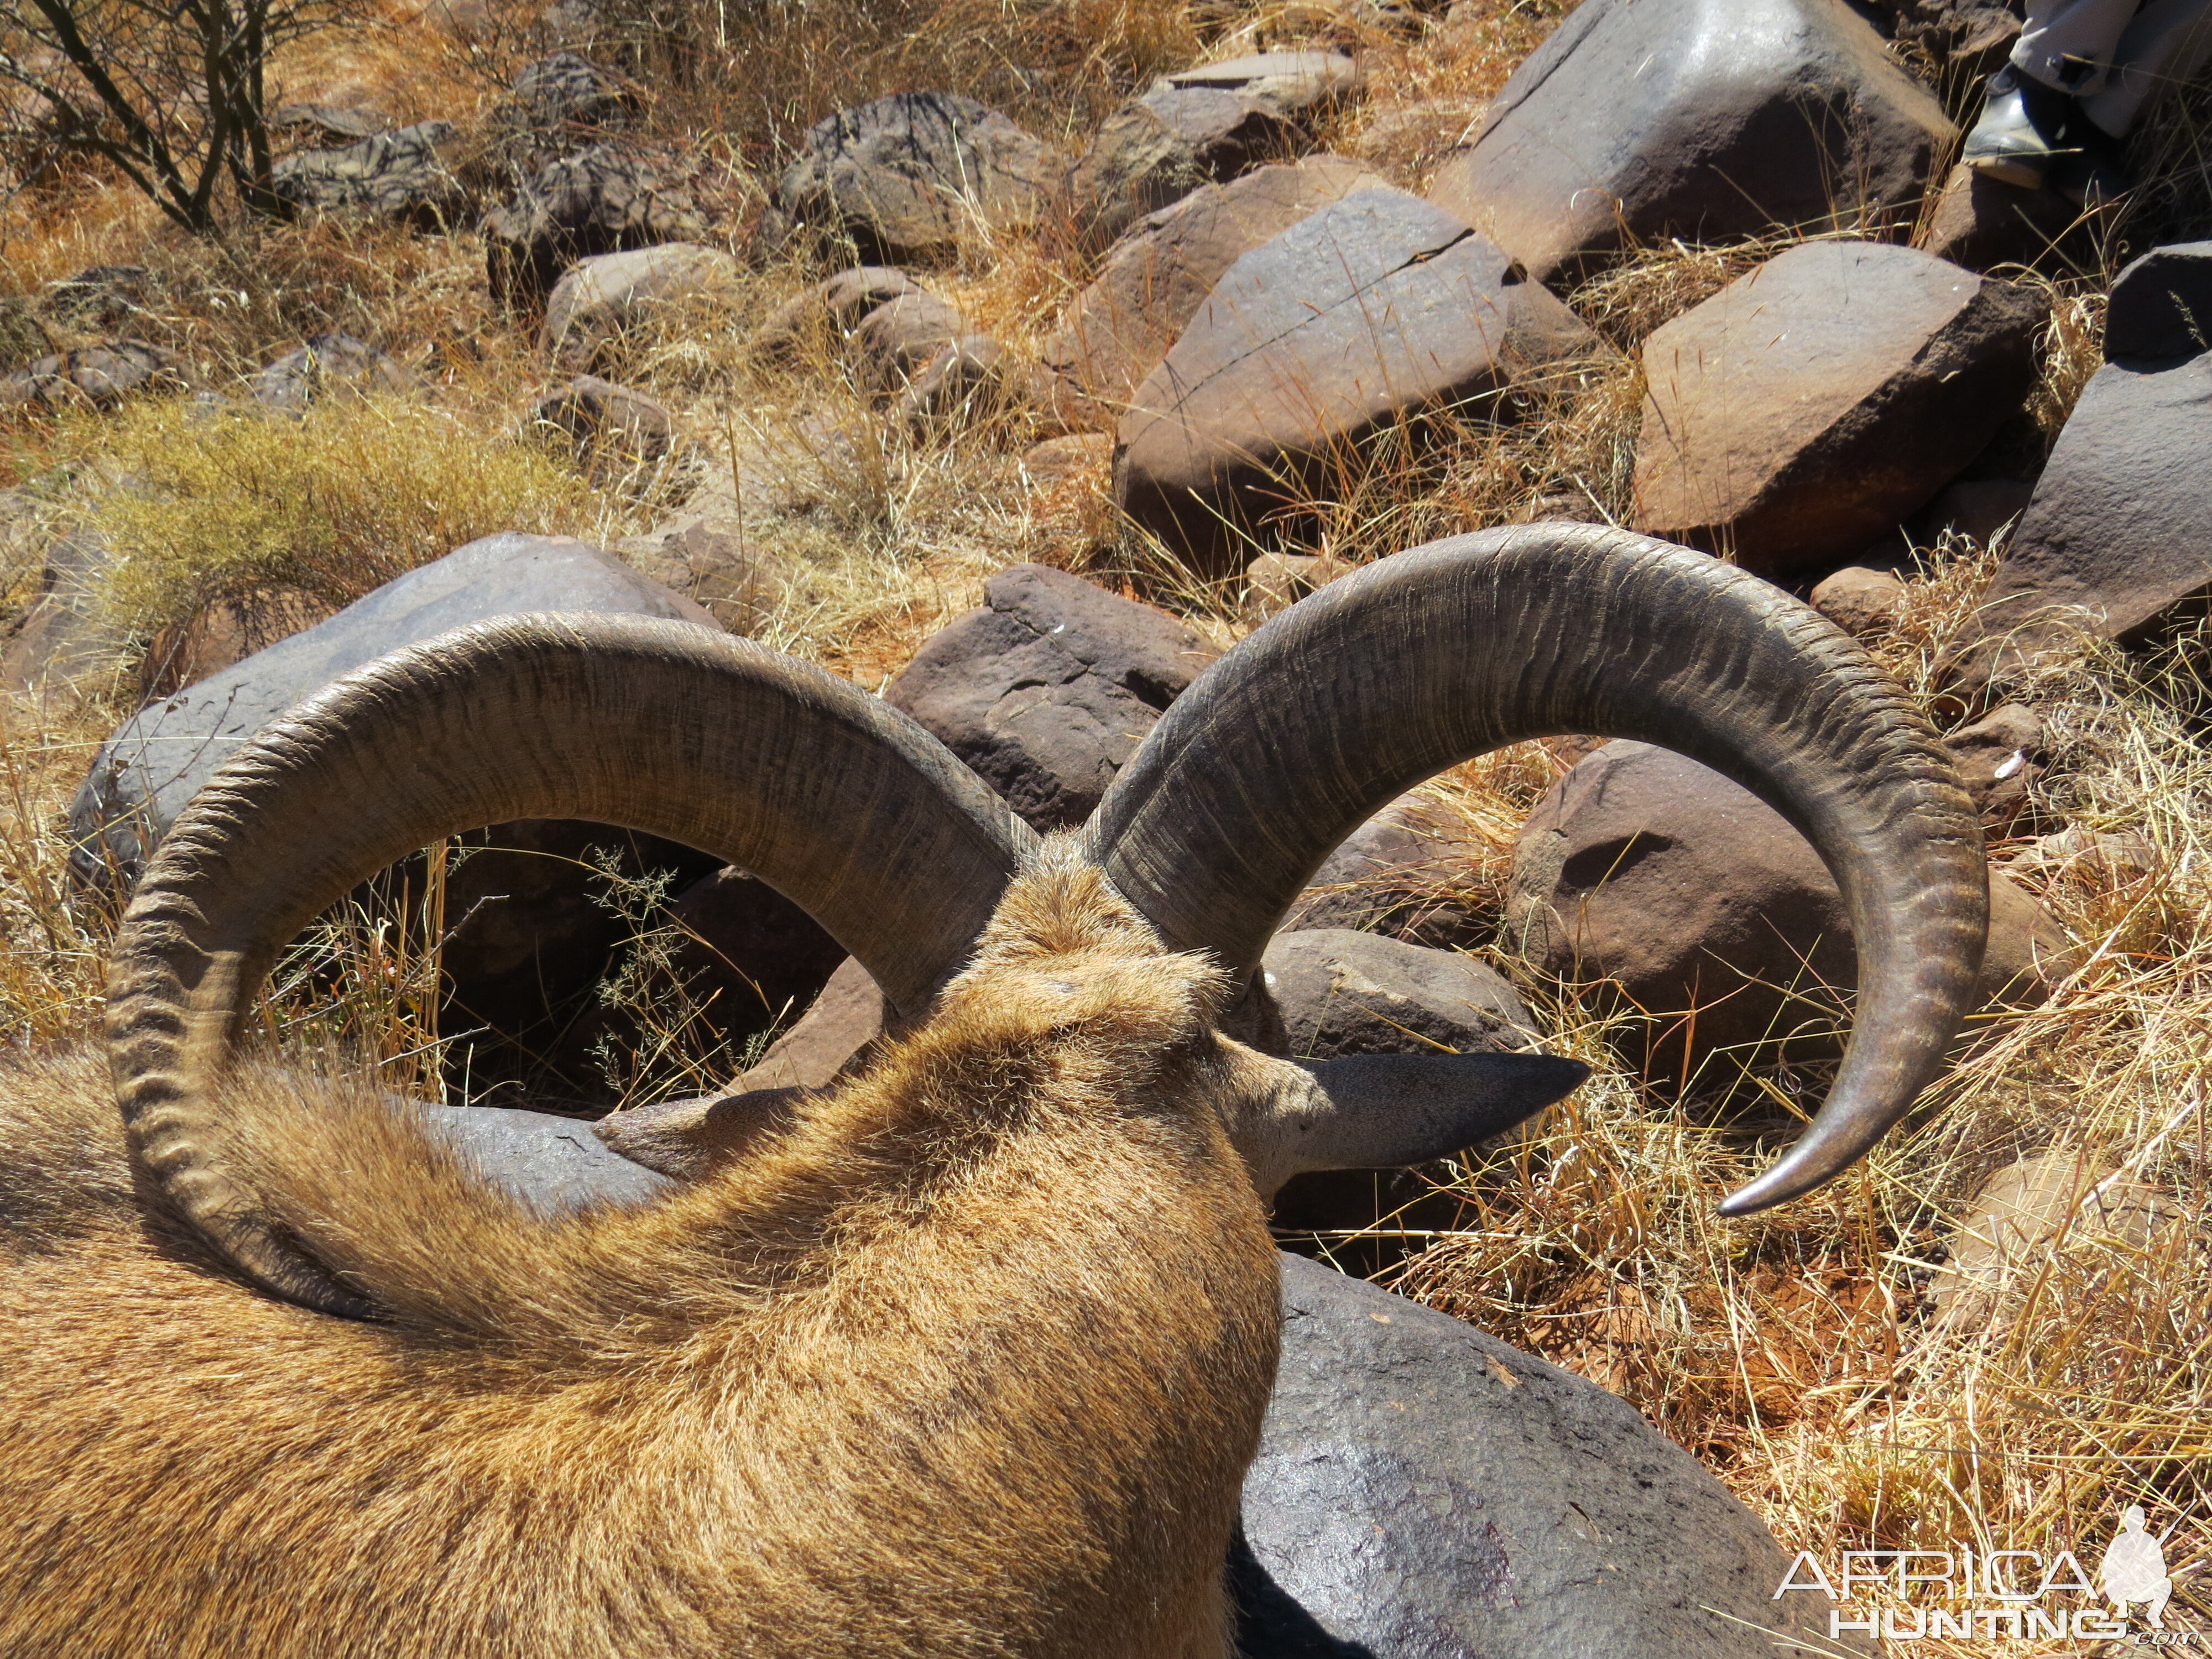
1792	1351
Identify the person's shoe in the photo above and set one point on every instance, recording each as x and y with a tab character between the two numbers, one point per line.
2094	172
2022	132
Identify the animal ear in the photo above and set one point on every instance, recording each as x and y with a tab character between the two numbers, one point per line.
1383	1111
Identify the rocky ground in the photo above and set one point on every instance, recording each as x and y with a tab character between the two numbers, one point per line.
1014	363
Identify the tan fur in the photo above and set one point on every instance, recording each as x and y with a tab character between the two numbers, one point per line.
969	1362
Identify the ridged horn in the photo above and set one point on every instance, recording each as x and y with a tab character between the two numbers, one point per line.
1429	657
835	799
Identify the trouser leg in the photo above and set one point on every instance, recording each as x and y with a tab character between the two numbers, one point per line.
2165	45
2070	43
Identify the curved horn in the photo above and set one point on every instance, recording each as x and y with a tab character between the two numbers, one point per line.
832	797
1423	660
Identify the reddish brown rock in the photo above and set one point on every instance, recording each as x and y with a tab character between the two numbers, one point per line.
1858	600
1122	325
1811	406
1979	508
1276	581
1367	312
2118	540
224	632
966	379
896	339
1707	119
609	428
2000	757
837	302
2162	305
1049	688
707	562
1980	224
1700	906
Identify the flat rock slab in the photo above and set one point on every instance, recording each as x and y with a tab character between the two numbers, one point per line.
906	176
144	774
1370	311
2161	306
1424	1491
1294	83
1158	274
2118	537
667	286
1814	405
1049	688
1707	119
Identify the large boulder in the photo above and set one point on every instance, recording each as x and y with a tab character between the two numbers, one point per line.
1402	874
1159	274
2161	306
601	200
407	175
904	178
1683	894
1369	313
664	288
1156	151
144	774
1810	406
1294	83
1049	688
1423	1490
1705	119
2118	537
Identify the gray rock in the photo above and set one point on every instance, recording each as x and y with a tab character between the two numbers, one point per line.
1367	313
1979	508
1338	992
1676	891
144	774
1156	276
408	175
553	1163
602	200
99	377
330	365
1815	403
1423	1490
1156	151
567	93
667	288
905	176
2117	540
2161	306
1049	688
1707	119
